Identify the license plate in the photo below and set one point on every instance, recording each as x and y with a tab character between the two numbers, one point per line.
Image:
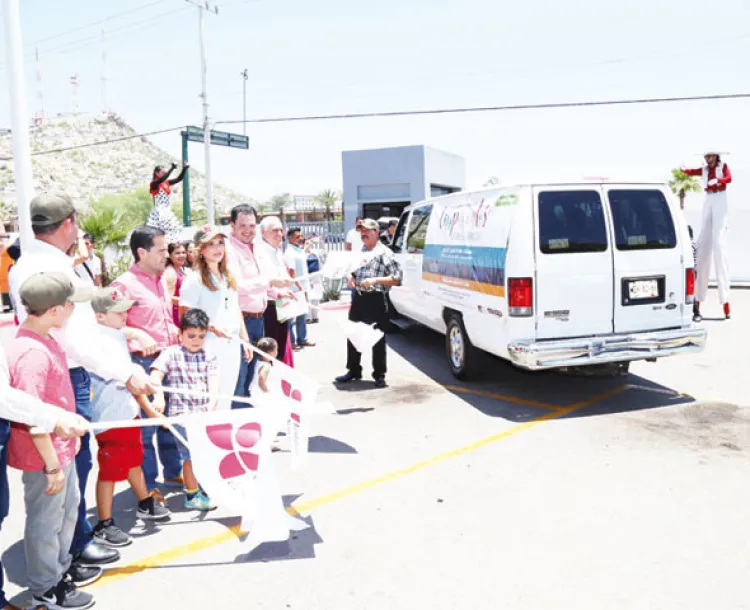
643	289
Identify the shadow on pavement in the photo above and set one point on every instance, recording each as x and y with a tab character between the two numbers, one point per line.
502	390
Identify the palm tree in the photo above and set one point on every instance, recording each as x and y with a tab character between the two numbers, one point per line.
278	203
327	200
107	223
681	184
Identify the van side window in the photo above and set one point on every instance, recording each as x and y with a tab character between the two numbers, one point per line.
398	237
642	220
417	233
571	221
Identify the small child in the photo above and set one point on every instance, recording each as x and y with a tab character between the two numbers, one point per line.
120	449
262	373
188	366
38	366
269	346
696	306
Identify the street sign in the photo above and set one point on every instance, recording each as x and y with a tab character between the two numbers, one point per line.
218	138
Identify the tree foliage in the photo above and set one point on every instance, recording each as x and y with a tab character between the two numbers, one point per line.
681	184
327	200
278	203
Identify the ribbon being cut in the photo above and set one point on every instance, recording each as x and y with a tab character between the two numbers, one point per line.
231	450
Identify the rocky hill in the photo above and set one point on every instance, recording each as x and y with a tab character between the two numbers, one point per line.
88	173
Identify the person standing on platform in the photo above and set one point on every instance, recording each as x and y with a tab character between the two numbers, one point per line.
712	240
375	273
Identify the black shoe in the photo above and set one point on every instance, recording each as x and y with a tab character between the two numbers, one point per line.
697	317
348	377
96	555
64	596
82	576
108	534
150	510
380	382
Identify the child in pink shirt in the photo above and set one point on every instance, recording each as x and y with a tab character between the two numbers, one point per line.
38	366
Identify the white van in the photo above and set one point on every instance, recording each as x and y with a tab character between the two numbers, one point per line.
550	275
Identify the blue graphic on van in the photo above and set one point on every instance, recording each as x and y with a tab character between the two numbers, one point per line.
474	268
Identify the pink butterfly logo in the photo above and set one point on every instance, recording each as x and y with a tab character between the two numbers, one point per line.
286	387
237	462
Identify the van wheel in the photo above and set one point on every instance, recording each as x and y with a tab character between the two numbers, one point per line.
462	355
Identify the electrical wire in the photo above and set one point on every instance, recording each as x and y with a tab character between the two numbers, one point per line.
398	113
544	106
100	142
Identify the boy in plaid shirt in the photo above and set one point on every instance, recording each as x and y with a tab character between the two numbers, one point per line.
188	366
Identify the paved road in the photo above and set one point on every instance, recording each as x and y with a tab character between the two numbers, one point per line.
521	491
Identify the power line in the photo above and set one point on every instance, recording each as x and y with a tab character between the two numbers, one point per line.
545	106
396	113
100	142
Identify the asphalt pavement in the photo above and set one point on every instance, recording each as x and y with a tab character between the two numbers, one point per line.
519	490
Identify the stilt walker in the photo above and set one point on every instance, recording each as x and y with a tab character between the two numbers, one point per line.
712	240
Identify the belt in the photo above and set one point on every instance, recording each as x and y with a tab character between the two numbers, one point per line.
142	355
250	314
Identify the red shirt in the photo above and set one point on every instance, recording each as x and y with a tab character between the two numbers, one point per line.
164	186
723	180
38	366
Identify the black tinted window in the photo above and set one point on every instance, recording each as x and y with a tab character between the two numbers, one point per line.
397	245
642	220
571	221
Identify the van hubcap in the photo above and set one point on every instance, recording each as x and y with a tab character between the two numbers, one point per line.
457	347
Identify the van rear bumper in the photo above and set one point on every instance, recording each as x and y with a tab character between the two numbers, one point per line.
533	355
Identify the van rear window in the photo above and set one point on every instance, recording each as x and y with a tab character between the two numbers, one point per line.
642	220
571	221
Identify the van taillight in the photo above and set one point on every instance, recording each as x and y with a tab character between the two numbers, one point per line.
689	286
520	296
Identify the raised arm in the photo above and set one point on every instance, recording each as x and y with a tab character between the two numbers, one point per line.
155	183
727	177
180	177
694	172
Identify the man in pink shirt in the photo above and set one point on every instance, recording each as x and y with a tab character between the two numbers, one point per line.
252	285
152	314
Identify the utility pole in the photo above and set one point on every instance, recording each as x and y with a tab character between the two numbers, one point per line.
212	8
39	118
105	77
19	119
244	102
74	88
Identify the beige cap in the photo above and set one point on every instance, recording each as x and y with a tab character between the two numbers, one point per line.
109	299
370	224
48	289
50	208
206	233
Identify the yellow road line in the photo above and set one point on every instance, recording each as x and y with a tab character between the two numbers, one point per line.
207	542
521	401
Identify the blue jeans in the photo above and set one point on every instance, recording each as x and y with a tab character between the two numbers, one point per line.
167	445
298	328
81	382
4	492
255	329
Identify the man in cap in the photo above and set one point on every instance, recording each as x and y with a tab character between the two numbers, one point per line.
55	226
713	236
376	270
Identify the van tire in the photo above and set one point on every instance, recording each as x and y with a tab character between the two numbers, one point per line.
462	356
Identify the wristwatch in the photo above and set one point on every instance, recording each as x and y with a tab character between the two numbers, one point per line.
52	471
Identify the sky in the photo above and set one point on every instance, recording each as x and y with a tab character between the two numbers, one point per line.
342	56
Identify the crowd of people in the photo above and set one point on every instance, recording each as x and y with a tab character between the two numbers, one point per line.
183	314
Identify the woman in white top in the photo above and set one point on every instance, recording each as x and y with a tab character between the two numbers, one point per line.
213	289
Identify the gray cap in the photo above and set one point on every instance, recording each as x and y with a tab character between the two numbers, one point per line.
372	225
48	289
50	208
109	299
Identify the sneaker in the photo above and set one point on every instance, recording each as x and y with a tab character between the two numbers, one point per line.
199	501
108	534
82	575
177	482
157	496
150	510
64	596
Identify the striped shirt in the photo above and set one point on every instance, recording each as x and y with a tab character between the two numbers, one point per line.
188	371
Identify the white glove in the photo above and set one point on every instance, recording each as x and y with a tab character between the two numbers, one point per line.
713	182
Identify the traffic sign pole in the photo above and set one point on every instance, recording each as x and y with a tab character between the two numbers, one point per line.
186	219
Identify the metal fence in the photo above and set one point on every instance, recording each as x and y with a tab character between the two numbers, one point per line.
330	234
